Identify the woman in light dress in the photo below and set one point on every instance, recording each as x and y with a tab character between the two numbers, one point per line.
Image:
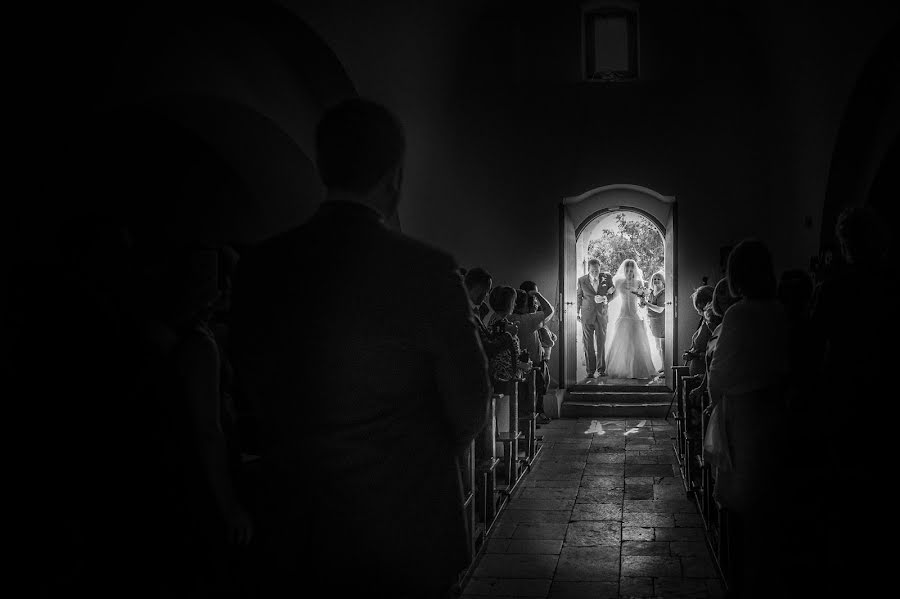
629	351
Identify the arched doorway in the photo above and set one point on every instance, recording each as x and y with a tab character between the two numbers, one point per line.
595	211
611	236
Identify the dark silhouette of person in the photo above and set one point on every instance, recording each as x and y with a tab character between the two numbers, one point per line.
359	350
852	346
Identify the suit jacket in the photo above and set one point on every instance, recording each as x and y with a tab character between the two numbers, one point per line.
362	357
590	310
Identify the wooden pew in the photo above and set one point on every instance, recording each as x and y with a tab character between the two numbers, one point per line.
486	467
528	419
509	440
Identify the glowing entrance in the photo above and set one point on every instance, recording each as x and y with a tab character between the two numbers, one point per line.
613	223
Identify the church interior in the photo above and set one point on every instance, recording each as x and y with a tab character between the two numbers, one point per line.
153	134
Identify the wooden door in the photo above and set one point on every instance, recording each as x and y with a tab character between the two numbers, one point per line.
671	342
567	308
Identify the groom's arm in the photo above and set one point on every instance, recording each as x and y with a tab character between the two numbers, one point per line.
579	296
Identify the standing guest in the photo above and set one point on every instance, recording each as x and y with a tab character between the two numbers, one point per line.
595	289
655	302
746	380
504	361
372	425
530	341
478	284
854	356
546	337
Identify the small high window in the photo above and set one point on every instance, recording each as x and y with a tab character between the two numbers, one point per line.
610	42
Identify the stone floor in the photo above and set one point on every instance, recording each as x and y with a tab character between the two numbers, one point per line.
601	514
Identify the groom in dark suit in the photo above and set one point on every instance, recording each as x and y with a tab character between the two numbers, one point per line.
595	289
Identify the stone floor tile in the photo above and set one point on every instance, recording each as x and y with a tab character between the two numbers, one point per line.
636	586
679	534
569	474
503	529
588	564
597	511
638	492
599	496
645	548
654	566
549	492
512	587
550	547
635	533
538	516
645	519
496	545
674	506
601	482
588	534
633	469
606	458
564	589
604	469
495	565
563	484
637	446
525	503
540	531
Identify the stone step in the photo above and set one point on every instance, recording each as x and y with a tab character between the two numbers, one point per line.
612	409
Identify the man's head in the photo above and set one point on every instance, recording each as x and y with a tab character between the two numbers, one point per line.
359	153
521	302
527	287
594	267
478	284
750	273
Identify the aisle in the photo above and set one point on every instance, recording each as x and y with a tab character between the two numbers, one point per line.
602	514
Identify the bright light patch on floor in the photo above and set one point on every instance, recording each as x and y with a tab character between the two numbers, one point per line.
595	429
632	431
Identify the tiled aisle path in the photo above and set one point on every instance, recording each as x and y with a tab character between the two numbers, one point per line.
602	514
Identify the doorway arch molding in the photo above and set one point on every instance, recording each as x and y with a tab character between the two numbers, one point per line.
585	207
638	188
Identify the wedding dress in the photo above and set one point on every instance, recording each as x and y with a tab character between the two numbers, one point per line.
629	349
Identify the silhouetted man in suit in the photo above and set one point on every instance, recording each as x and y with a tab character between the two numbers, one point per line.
361	355
595	289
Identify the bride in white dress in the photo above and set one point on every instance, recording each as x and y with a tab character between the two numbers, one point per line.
629	355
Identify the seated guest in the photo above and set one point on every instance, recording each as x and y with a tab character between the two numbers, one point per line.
369	428
746	377
694	356
713	315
